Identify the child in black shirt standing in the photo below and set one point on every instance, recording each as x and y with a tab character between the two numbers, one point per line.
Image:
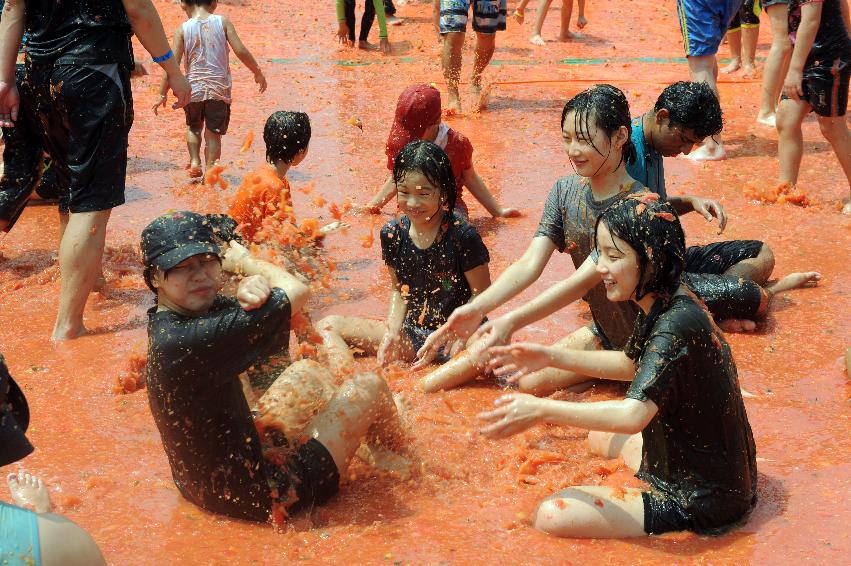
437	262
683	411
200	342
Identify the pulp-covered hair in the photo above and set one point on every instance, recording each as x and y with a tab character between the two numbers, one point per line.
692	106
605	107
652	228
286	134
430	160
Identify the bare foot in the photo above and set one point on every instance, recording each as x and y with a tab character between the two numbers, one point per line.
581	22
195	171
333	227
733	66
453	102
394	21
847	208
709	151
794	281
769	120
386	460
62	332
29	491
737	325
748	70
537	40
569	36
366	46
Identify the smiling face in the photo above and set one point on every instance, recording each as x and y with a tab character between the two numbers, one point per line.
591	152
617	265
190	287
418	198
670	140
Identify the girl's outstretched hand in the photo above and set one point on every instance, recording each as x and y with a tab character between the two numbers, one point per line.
460	325
388	350
516	360
515	413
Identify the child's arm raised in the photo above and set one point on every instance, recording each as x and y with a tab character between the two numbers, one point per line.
388	350
238	260
804	39
243	54
178	51
479	190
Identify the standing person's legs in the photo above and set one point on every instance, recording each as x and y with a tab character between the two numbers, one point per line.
776	63
835	130
390	14
216	121
485	46
790	144
566	15
488	18
194	112
540	16
453	30
750	35
366	24
349	10
581	20
734	40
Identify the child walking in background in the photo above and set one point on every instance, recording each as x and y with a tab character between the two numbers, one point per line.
437	262
742	36
418	114
372	9
204	40
541	15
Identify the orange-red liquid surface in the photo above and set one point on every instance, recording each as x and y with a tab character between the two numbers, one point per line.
100	451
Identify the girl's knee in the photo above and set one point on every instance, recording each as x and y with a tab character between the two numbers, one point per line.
329	323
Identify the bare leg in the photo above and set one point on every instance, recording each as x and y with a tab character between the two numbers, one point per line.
519	15
80	253
790	145
540	16
566	14
64	543
193	142
212	148
485	45
457	371
295	398
757	269
734	40
775	64
705	69
340	333
750	35
100	280
794	281
592	512
550	380
453	42
581	21
835	131
29	491
611	445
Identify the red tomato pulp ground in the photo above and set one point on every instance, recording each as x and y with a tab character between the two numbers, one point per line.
101	453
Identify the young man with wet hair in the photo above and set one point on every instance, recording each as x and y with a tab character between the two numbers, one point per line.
200	343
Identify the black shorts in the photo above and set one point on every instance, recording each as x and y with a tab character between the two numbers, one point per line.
308	478
719	257
747	16
726	296
663	515
86	113
826	87
212	114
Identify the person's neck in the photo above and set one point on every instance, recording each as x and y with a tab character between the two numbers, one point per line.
607	185
646	302
200	12
423	233
647	120
281	168
164	304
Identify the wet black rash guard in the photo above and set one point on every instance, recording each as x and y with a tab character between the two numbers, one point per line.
698	450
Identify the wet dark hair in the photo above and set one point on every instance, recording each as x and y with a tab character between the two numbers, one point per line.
692	106
606	107
286	134
652	228
430	160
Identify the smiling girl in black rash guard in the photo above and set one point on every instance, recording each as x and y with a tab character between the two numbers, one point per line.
683	418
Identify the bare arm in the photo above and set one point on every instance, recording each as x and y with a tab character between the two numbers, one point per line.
516	360
11	32
478	278
178	50
398	307
243	54
804	39
238	260
479	190
710	209
387	192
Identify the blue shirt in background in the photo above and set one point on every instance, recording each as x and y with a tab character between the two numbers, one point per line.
648	169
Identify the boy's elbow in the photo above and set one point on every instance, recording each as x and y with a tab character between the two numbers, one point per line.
298	295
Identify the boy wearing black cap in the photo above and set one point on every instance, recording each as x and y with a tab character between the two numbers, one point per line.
199	342
26	537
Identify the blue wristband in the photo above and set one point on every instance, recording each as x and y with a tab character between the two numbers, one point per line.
162	58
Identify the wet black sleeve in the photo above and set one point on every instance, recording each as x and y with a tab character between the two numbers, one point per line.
552	219
657	368
390	245
473	250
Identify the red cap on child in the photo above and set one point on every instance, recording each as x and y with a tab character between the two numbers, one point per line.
417	109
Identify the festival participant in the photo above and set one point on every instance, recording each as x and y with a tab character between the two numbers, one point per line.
86	48
817	81
371	10
418	118
437	262
450	19
204	39
683	418
30	533
596	130
742	36
216	455
566	13
703	24
774	69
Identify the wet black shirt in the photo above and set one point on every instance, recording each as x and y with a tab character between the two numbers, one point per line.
434	277
198	405
832	41
78	32
698	449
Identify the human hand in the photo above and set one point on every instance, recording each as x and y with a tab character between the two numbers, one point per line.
516	360
388	350
793	85
260	79
253	292
181	89
509	213
235	256
515	413
460	324
343	33
494	332
10	102
161	99
710	209
385	46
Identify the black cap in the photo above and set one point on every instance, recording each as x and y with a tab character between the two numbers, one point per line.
14	419
176	236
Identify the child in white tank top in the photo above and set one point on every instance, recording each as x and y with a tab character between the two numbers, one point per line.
204	40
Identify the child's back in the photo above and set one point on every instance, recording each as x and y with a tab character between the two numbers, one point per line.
207	61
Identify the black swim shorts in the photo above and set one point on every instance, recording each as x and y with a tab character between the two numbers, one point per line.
86	114
309	477
719	257
212	114
726	296
663	515
825	87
